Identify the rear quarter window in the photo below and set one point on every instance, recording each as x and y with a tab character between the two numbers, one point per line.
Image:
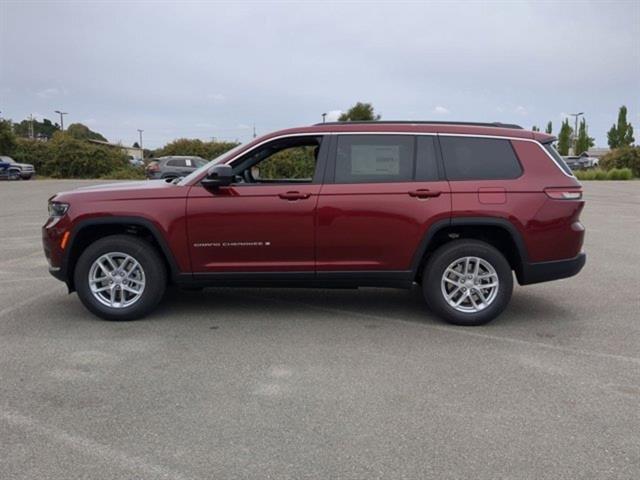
470	158
558	159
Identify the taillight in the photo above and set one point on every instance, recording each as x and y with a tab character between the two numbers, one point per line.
564	193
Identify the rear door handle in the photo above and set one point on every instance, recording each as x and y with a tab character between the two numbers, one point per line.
294	196
424	193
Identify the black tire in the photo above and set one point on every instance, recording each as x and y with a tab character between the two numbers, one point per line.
445	256
148	258
25	177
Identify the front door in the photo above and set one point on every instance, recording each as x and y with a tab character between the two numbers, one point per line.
265	221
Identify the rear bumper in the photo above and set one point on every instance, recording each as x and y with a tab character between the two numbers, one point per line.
546	271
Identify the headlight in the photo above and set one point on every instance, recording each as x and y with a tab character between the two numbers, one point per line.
57	209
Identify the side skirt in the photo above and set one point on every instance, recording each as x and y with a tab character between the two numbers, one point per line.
392	279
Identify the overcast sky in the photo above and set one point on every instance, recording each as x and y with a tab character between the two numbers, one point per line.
207	69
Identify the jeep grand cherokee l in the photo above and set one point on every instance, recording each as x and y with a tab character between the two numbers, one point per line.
456	208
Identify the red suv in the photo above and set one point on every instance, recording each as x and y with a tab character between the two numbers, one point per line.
452	207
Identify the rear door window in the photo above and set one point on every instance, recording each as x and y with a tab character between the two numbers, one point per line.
176	162
374	158
473	158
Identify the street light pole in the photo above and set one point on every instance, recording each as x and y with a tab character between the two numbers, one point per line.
140	144
324	115
575	131
61	119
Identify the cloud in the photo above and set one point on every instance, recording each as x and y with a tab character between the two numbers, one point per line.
48	93
216	97
520	110
243	126
440	110
89	121
205	125
333	115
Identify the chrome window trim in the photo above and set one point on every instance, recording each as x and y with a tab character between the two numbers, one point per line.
433	134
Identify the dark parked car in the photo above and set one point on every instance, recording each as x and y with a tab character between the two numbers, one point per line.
454	208
17	170
173	166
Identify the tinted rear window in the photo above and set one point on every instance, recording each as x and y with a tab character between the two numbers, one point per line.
470	158
374	158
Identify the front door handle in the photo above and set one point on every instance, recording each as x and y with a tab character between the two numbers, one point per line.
294	196
424	193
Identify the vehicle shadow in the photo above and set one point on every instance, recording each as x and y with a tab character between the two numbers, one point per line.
376	304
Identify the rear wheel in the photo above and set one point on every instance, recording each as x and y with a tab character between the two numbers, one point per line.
120	277
467	282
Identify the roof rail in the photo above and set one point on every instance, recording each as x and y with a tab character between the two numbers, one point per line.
426	122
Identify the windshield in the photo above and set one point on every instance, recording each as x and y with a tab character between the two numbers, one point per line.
208	165
558	159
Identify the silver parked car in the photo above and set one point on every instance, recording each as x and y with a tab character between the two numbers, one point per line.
173	166
15	170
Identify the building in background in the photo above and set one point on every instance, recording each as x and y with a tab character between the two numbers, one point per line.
134	153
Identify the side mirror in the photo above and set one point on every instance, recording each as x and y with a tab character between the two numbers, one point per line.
219	176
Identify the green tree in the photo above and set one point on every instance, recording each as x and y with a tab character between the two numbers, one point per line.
549	128
82	132
44	129
359	112
564	138
621	134
294	162
7	138
535	129
135	145
583	141
189	146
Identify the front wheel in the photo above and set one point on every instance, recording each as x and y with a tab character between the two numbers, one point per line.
467	282
120	277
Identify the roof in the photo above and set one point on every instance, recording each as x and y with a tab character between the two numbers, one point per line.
425	122
409	127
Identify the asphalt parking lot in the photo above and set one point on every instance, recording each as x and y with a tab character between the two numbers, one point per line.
301	384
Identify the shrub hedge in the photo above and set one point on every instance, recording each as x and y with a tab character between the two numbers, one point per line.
67	157
599	174
624	157
188	146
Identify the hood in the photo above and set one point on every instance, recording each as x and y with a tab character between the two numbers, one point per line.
145	189
143	184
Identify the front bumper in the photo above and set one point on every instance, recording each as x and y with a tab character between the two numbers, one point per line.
546	271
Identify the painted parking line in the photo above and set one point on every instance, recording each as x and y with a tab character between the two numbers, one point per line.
87	446
28	301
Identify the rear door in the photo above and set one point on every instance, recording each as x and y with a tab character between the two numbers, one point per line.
381	195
